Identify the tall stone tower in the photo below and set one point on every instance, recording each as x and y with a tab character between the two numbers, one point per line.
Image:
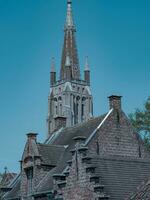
70	100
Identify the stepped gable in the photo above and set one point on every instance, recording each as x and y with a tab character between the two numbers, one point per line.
65	137
118	175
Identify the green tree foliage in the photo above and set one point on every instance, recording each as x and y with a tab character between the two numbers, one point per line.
140	119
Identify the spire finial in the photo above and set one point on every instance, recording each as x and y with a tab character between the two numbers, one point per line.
53	65
69	20
87	68
6	169
69	1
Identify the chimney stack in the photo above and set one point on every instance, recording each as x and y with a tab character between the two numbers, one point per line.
32	136
115	102
60	122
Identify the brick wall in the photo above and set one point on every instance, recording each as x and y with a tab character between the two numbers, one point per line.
117	137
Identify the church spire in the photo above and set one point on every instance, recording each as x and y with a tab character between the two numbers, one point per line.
69	47
69	19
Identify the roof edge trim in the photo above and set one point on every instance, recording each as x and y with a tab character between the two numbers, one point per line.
98	127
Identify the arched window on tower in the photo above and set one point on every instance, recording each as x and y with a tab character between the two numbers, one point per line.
77	108
56	110
60	106
56	106
82	112
83	108
77	112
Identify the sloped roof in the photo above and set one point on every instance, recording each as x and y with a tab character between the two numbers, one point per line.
50	153
6	179
119	175
142	192
47	183
15	192
66	136
122	175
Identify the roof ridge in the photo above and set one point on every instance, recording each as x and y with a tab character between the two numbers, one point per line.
98	127
50	145
83	123
122	158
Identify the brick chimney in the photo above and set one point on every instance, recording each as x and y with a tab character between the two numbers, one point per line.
115	102
32	136
60	122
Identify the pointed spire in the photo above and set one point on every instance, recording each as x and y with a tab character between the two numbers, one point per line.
68	63
6	170
87	68
53	65
70	46
69	19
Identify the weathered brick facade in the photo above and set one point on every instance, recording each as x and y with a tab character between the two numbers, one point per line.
117	137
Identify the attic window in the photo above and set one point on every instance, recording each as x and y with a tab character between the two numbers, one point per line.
29	174
28	159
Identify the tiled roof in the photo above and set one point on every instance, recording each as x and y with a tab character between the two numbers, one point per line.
142	192
6	179
66	136
15	192
46	183
119	175
122	175
50	154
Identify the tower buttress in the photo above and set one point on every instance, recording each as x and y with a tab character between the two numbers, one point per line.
87	72
53	72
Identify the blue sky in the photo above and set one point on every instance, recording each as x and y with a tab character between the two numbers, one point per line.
113	33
